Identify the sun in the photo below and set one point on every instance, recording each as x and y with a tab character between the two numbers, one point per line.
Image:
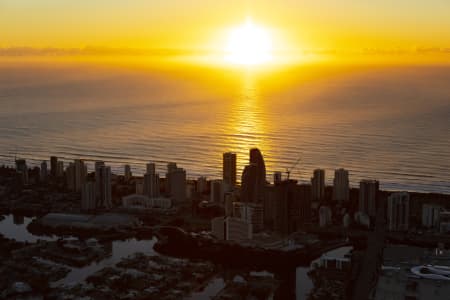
248	44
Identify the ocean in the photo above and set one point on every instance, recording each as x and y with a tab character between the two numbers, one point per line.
385	123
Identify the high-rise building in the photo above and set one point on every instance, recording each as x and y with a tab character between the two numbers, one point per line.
216	191
253	213
202	185
53	165
368	197
318	185
70	176
22	170
277	177
257	160
324	216
430	215
60	169
98	189
151	182
237	229
398	211
127	173
229	170
151	168
176	183
44	171
341	186
104	200
88	197
80	174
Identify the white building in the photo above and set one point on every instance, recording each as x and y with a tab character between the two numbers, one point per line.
398	211
430	215
88	196
324	216
151	182
341	186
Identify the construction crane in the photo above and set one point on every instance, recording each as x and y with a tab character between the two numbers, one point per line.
288	170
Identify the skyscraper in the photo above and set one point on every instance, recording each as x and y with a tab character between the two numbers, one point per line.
53	165
22	170
398	211
80	174
104	200
151	181
368	197
318	185
216	191
60	169
229	170
44	172
341	185
98	165
88	196
176	183
254	178
127	172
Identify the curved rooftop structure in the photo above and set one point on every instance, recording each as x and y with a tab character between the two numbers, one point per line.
432	272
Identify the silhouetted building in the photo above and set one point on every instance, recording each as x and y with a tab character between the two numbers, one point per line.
231	229
398	211
286	206
368	197
430	215
202	185
54	166
98	189
176	183
341	186
277	178
151	182
43	172
88	196
216	191
127	173
318	185
60	169
105	198
22	170
324	216
229	170
253	213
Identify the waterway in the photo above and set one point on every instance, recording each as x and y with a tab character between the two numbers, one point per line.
15	227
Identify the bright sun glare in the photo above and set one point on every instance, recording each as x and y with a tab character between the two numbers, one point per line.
249	44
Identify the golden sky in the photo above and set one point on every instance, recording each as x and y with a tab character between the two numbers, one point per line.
336	27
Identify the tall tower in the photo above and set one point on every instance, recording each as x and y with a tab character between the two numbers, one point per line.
98	165
44	172
254	178
368	197
318	185
341	185
229	170
104	199
151	181
53	165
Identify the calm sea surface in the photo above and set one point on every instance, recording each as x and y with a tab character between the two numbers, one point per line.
391	124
